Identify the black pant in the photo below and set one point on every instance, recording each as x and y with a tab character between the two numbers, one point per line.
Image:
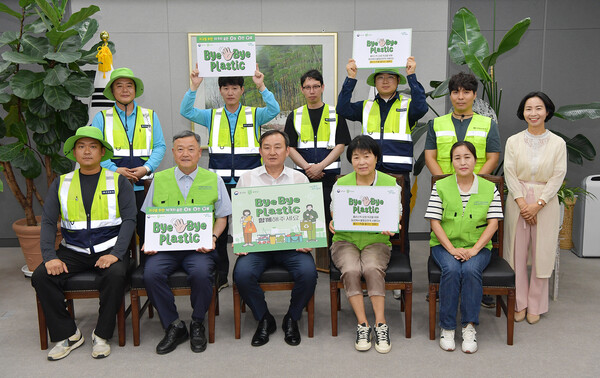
221	247
406	196
141	216
50	292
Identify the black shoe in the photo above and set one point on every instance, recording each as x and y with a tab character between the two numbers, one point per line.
197	337
174	336
265	327
290	330
488	301
222	284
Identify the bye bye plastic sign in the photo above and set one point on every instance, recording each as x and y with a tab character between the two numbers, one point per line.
226	55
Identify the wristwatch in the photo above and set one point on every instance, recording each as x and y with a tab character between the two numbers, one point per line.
540	202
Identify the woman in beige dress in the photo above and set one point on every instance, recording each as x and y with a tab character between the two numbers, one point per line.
535	164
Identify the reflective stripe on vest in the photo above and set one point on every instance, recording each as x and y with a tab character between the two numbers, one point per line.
325	138
142	136
445	135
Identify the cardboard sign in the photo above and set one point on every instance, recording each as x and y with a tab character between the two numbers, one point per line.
278	217
381	48
366	208
226	55
179	228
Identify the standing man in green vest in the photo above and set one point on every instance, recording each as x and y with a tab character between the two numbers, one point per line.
97	212
463	124
317	138
135	134
186	184
233	132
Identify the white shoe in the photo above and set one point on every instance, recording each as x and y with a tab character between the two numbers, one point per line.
363	337
64	347
469	344
100	346
397	294
447	340
382	338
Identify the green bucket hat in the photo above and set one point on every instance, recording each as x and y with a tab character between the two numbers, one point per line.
393	71
87	132
123	73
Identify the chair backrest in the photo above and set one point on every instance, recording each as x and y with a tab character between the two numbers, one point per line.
498	239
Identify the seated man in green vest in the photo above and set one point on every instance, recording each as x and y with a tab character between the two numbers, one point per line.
185	184
97	211
463	124
134	132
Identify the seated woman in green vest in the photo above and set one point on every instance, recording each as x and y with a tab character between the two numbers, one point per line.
463	210
364	254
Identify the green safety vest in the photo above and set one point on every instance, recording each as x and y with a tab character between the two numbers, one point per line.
116	136
445	137
463	228
315	148
100	231
363	239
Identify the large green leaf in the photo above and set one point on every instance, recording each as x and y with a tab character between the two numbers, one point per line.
419	164
49	12
79	85
21	58
17	130
10	151
51	149
579	111
27	84
510	40
37	124
63	56
4	98
40	107
30	166
441	90
71	44
8	37
2	128
475	65
61	164
465	31
4	8
25	3
79	16
76	116
35	46
57	75
46	139
56	37
418	131
36	27
62	131
87	29
4	65
578	147
58	97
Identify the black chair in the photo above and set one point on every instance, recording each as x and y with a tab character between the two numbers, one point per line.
275	278
498	277
398	276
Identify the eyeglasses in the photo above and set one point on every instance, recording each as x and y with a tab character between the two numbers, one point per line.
313	88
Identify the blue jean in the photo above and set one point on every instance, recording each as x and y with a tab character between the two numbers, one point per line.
250	267
460	279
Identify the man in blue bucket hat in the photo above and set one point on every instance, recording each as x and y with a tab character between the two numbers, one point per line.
96	208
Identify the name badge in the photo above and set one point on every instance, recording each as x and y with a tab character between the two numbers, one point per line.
108	192
146	126
248	125
330	119
401	110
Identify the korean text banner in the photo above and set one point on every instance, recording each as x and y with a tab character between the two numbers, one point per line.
366	208
381	48
226	55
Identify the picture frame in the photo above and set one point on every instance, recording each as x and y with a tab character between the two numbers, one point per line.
283	58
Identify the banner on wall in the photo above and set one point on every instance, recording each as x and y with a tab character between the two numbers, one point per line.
381	48
226	55
278	217
178	228
366	208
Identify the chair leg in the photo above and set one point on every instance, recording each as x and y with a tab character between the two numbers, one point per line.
211	316
150	310
121	323
510	316
310	309
42	325
407	295
71	308
334	294
217	304
237	316
339	300
498	306
432	308
243	305
402	302
135	316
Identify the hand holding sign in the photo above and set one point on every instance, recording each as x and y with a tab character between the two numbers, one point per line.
351	68
195	79
411	65
259	79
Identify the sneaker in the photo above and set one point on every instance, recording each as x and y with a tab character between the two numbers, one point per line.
469	344
363	337
447	340
100	346
382	338
222	283
488	301
397	294
64	347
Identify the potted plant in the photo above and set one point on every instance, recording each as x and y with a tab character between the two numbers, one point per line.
567	197
41	81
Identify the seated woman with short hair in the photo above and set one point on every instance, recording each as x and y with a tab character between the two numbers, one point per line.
463	210
364	254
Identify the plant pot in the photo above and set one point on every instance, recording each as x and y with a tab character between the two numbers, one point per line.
565	235
29	240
